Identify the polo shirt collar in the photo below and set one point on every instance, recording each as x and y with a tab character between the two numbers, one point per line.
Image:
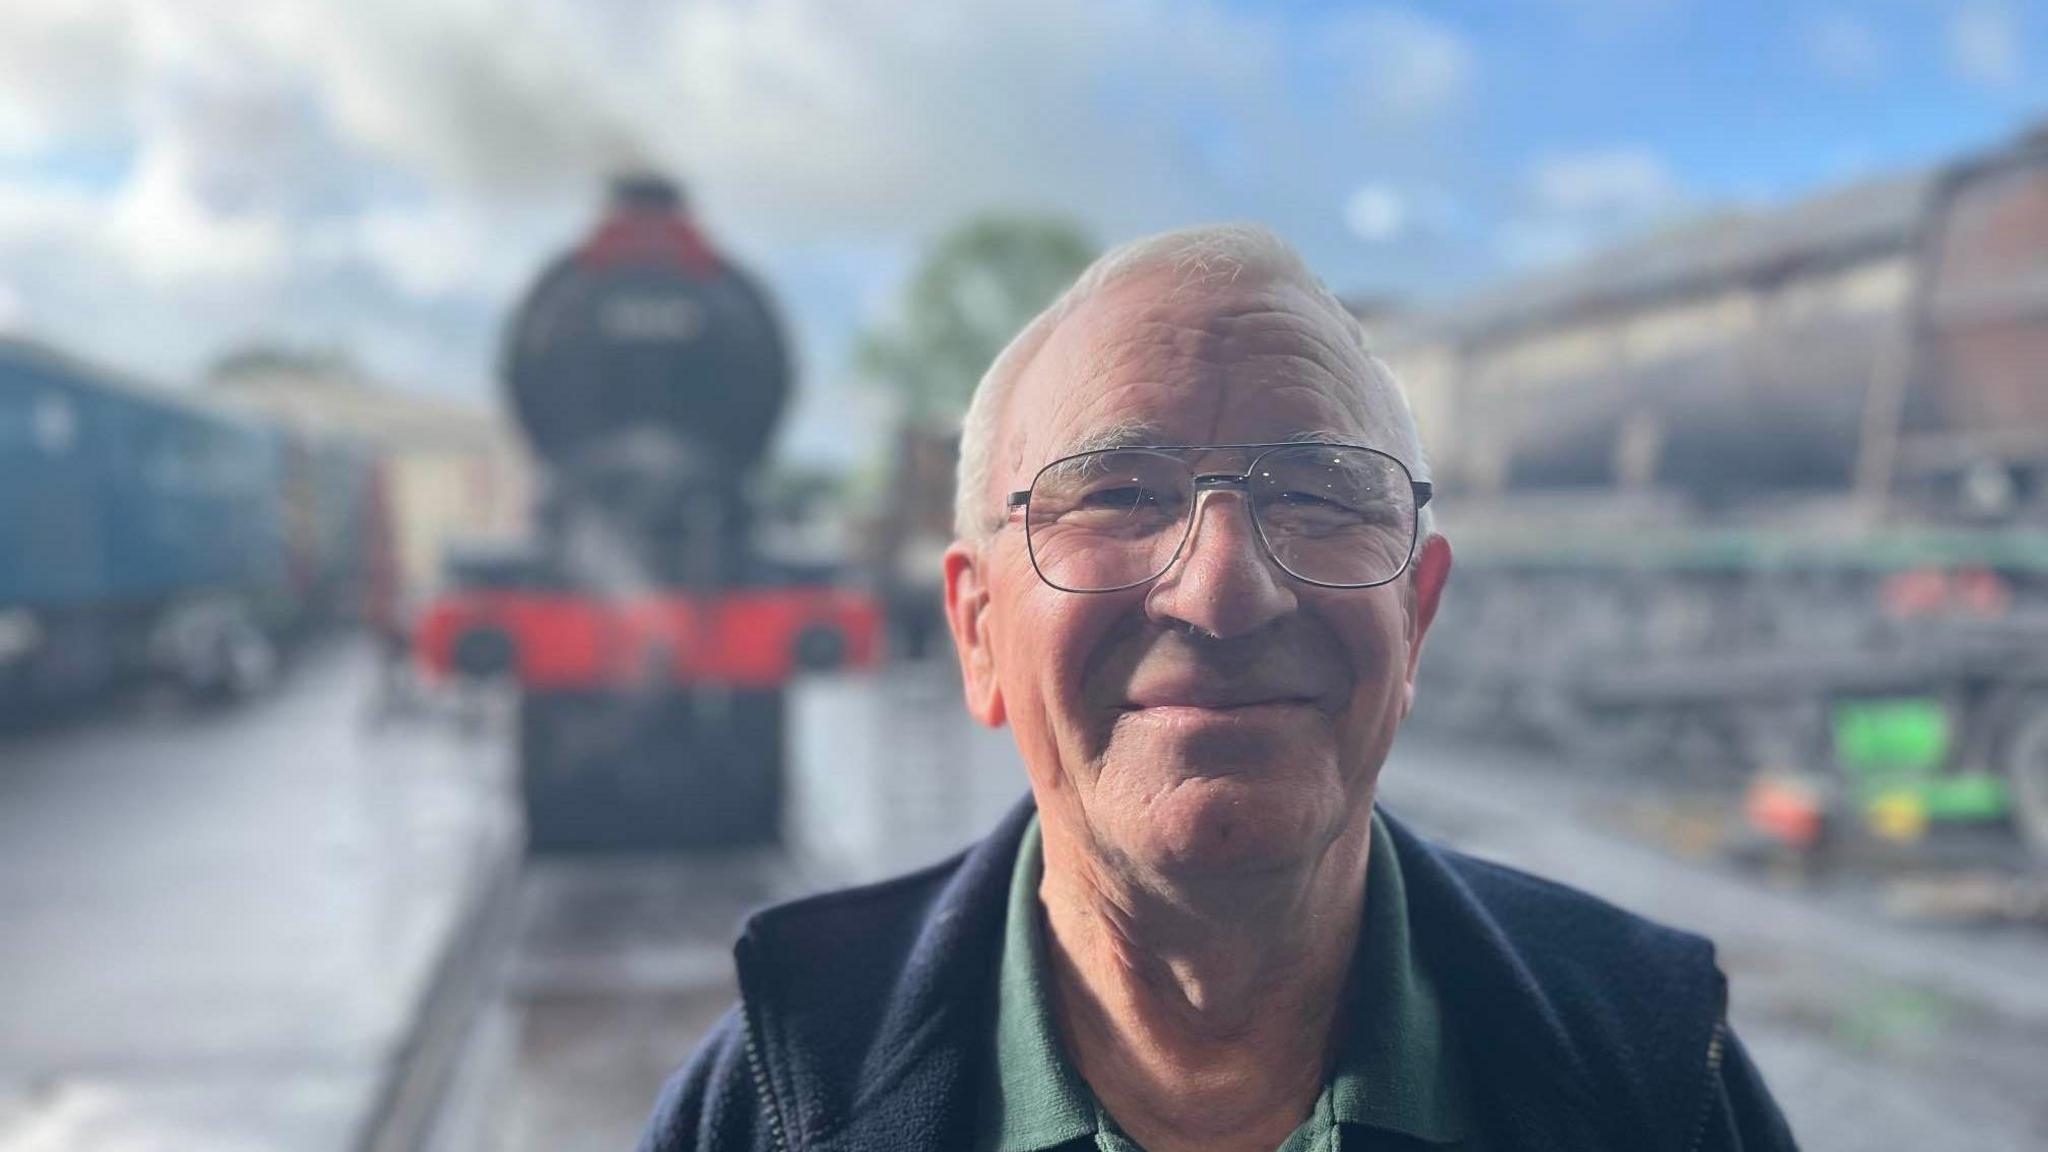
1397	1070
1041	1102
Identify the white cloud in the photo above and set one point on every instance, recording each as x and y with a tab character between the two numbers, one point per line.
1621	181
1984	45
44	214
438	250
170	231
62	67
391	166
1380	212
1575	201
1399	63
1376	213
1844	46
13	313
808	117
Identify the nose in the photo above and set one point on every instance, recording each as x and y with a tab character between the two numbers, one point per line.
1222	582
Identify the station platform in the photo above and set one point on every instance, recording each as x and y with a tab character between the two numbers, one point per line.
244	929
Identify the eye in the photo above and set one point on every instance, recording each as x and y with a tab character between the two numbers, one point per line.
1119	496
1302	499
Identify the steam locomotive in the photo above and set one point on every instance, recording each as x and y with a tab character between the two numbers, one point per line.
651	638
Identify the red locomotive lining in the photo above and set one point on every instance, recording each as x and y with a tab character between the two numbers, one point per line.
638	237
744	639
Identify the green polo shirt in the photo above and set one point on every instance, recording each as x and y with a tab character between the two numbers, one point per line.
1397	1072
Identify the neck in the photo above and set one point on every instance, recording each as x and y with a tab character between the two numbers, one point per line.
1204	1017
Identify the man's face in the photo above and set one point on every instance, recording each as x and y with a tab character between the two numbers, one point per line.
1224	717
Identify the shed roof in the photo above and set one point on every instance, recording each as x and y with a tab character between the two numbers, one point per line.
1698	255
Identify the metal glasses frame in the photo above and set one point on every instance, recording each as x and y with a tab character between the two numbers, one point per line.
1235	481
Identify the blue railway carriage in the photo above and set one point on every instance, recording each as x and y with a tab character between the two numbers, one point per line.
143	533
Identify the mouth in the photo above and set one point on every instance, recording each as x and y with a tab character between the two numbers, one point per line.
1266	717
1259	711
1217	703
1243	682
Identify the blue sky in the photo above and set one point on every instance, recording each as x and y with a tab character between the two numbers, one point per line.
179	176
1759	100
1732	103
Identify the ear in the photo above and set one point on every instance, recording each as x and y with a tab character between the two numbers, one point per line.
967	615
1425	587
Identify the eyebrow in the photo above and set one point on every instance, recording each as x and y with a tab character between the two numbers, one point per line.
1143	434
1129	434
1139	434
1136	434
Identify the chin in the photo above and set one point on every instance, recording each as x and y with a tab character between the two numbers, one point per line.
1231	826
1222	805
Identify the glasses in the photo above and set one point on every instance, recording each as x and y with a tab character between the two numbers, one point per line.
1334	515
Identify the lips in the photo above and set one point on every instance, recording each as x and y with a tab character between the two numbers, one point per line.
1215	696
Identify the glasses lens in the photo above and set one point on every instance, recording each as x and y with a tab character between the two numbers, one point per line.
1332	515
1108	519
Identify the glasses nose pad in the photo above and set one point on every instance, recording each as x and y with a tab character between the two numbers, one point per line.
1250	524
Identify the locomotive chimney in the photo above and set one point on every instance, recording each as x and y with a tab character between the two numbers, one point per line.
648	192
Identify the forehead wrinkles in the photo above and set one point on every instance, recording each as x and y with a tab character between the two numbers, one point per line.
1272	339
1101	351
1259	343
1291	335
1214	330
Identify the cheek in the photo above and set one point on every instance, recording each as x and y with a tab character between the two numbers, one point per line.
1375	643
1048	644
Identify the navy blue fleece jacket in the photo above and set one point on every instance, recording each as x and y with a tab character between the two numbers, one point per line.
867	1016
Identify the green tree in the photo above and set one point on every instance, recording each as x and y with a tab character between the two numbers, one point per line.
979	284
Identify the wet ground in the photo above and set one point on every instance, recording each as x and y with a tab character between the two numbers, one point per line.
216	926
618	967
203	915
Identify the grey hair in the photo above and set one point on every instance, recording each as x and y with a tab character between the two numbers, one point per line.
1213	254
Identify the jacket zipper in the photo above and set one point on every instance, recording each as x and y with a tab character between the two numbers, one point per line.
757	1068
762	1091
1716	1044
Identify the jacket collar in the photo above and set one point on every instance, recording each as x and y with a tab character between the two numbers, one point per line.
1585	1026
873	1008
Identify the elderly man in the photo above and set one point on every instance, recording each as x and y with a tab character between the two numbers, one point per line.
1193	574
